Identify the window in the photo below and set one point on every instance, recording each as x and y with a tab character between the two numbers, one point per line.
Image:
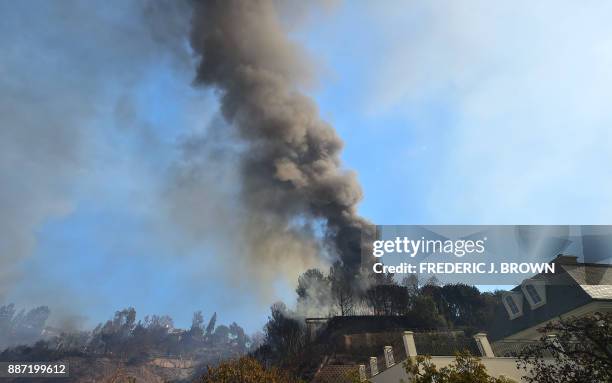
513	307
533	294
513	303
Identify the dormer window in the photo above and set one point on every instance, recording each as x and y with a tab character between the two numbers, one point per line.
535	297
535	292
513	302
513	307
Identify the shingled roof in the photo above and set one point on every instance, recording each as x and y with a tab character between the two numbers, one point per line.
594	279
573	285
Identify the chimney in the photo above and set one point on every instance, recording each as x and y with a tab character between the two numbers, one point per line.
563	259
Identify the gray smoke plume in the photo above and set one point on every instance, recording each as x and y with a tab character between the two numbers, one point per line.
290	170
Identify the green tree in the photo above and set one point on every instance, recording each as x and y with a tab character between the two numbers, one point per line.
425	311
246	370
465	369
387	299
463	305
285	337
572	350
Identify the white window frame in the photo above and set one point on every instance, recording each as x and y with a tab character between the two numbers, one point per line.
539	287
517	298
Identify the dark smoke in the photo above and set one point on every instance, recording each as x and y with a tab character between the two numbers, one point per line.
291	170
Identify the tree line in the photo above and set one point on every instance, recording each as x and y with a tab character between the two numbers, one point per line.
427	304
23	335
339	293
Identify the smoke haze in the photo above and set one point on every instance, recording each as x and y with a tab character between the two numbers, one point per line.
69	78
246	184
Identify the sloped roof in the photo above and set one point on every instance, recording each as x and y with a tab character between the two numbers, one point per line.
594	279
573	285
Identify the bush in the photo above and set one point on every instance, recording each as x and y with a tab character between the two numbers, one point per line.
246	370
465	369
571	350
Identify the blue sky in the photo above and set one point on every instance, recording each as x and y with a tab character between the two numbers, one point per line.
451	113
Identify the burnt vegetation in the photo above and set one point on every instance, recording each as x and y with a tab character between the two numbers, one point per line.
377	305
26	338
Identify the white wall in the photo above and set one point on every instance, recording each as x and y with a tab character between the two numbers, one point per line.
495	367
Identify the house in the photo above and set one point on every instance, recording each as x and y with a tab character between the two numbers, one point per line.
388	367
380	357
574	289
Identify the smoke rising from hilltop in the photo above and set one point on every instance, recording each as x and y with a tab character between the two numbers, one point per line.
95	100
290	171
